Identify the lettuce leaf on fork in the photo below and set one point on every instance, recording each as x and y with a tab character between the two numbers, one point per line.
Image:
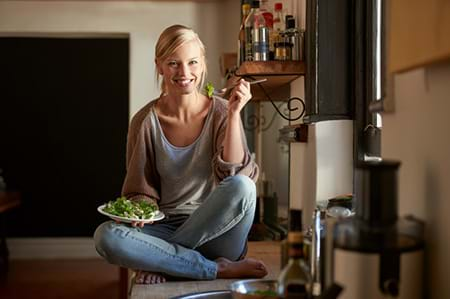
209	89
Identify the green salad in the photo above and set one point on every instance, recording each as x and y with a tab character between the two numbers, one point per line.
209	89
130	209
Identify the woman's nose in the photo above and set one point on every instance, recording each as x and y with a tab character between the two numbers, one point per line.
183	69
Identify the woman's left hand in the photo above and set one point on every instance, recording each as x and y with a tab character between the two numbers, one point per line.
239	97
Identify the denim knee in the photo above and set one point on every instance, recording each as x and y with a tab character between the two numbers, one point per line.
104	239
243	187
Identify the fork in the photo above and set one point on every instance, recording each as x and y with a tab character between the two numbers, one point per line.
224	91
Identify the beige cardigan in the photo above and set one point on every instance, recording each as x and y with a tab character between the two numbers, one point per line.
142	181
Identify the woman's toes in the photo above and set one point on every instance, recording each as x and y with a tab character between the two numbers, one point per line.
160	279
143	277
262	267
148	278
138	277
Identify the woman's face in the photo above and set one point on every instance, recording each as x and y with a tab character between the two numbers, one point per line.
182	71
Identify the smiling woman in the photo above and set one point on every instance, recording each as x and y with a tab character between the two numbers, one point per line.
178	69
187	155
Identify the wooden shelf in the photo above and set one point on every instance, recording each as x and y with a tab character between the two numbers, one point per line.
278	73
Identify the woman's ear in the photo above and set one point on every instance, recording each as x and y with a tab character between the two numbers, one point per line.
158	67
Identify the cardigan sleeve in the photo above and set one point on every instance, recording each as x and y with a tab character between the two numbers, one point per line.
141	181
223	169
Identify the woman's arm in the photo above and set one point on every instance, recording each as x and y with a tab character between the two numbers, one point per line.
229	134
233	148
141	180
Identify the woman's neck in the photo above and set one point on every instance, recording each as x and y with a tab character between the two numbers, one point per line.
182	107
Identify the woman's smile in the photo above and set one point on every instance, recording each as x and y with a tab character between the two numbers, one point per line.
182	82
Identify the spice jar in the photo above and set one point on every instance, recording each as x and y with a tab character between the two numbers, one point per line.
283	51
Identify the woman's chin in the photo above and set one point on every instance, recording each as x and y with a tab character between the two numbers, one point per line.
186	90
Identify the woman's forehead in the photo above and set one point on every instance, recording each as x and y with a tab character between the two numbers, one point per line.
187	50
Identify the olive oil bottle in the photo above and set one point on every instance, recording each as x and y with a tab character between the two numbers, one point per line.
295	279
294	224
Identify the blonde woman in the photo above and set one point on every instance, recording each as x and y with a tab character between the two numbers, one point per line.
187	153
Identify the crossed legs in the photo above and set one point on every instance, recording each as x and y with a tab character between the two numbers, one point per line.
205	245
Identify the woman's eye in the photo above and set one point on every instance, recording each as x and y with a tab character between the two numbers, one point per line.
193	62
173	63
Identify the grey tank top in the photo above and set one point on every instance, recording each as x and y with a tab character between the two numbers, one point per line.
186	172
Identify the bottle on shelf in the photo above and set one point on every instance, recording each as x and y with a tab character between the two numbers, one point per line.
242	34
278	22
281	44
260	38
259	46
248	29
294	37
295	279
268	18
266	12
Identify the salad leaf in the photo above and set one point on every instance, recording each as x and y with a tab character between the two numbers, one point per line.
209	89
131	209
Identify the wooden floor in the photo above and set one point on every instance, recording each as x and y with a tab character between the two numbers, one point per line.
61	279
269	252
96	279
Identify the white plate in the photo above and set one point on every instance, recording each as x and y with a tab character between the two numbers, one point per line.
158	216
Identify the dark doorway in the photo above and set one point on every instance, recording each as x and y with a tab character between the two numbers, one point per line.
63	124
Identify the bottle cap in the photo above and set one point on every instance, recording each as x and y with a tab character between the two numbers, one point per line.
278	6
245	7
255	4
290	22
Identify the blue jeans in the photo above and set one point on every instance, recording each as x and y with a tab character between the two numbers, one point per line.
186	245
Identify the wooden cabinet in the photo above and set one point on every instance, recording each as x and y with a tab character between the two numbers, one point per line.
418	33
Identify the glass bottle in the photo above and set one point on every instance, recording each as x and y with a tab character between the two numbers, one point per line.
260	37
267	13
248	28
278	22
242	36
295	279
294	225
268	18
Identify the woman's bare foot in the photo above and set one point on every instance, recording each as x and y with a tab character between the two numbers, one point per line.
246	268
143	277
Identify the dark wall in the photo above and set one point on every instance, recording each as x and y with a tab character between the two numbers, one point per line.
63	124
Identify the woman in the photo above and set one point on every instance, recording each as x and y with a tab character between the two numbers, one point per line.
187	153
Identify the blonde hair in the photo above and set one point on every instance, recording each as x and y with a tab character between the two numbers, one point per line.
170	40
